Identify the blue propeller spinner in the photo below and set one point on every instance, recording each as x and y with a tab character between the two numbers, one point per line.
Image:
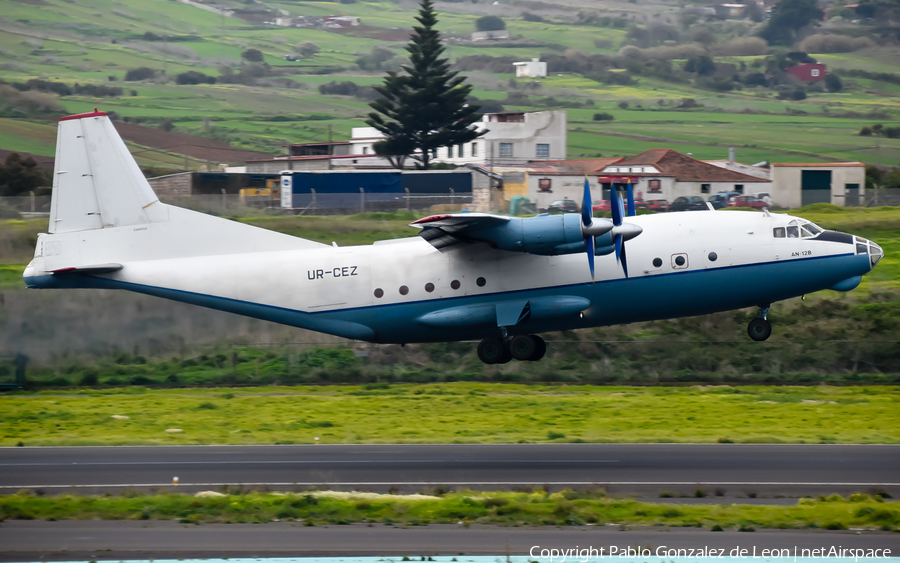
611	234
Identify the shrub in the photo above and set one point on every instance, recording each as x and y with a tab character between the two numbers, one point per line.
345	88
89	379
529	17
307	49
194	77
833	82
490	23
742	47
140	73
551	435
603	117
207	406
825	43
252	55
702	65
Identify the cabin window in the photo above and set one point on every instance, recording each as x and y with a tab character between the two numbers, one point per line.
713	256
679	261
480	282
455	284
778	232
429	287
657	262
379	293
404	290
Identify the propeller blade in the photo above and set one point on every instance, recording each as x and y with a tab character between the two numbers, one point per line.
587	212
615	204
624	262
589	248
630	192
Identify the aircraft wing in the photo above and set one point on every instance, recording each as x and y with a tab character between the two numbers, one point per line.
448	232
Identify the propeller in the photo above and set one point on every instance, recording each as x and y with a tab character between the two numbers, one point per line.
622	231
590	228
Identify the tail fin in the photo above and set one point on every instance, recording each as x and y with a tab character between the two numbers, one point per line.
97	184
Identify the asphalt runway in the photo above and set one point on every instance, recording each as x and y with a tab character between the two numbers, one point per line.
97	540
724	469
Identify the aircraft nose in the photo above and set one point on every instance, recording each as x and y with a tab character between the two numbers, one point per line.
875	253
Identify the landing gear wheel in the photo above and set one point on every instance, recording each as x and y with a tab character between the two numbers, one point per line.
539	350
492	351
522	347
759	329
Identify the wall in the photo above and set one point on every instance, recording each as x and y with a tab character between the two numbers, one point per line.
173	185
787	181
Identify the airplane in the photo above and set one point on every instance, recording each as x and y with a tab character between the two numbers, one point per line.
468	276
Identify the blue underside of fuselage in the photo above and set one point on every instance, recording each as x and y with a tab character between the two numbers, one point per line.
620	301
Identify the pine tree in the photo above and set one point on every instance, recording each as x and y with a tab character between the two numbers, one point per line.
424	107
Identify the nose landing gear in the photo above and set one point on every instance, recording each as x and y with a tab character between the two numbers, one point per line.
500	351
759	328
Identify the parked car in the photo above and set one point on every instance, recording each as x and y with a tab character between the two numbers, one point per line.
657	205
688	203
564	206
763	196
602	205
748	201
721	199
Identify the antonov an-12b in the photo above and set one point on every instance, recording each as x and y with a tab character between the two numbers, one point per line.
468	276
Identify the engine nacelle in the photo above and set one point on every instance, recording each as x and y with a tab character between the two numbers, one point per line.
547	235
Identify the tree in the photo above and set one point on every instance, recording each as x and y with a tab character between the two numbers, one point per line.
833	82
789	16
18	176
252	55
307	49
424	107
490	23
701	64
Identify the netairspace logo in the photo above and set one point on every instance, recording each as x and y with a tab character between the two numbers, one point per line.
628	554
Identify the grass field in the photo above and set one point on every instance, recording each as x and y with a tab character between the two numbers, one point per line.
98	42
564	508
453	413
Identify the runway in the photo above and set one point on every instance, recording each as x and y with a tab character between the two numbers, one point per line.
154	540
729	469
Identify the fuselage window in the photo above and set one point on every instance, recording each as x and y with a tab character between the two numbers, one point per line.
404	290
429	287
657	262
379	293
713	256
455	284
480	282
778	232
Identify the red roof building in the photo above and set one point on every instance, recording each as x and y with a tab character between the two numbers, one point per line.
668	174
807	72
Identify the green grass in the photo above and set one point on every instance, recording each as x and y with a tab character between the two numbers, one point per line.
453	413
565	508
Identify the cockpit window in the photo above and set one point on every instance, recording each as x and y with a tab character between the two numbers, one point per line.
793	232
778	232
797	228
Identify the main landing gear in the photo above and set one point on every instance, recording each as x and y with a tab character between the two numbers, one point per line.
500	351
759	328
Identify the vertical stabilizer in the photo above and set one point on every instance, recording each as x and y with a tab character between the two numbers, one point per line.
96	182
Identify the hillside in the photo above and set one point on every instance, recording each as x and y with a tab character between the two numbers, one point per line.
626	59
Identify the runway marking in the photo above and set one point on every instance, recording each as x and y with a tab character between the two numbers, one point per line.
310	462
464	483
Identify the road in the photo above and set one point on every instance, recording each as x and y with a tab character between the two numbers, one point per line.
726	469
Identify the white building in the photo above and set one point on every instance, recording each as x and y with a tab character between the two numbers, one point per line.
531	69
509	138
839	183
